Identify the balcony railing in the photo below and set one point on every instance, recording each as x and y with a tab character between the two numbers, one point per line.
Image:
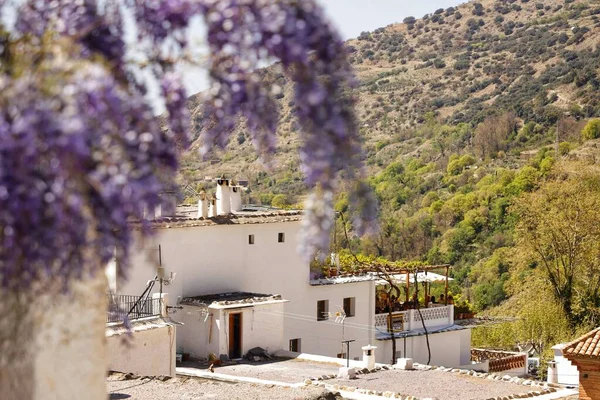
131	307
410	319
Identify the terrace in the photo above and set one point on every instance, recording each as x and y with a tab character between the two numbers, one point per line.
419	310
411	320
132	307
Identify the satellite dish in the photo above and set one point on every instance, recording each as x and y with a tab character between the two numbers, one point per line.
204	314
167	282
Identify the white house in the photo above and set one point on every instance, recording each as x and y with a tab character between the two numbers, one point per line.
242	283
561	370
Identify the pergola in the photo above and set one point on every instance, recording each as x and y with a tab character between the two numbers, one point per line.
402	275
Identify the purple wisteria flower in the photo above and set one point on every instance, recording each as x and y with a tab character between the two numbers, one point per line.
81	153
79	157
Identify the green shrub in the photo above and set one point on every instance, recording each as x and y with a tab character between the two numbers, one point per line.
457	165
564	148
280	201
591	130
439	63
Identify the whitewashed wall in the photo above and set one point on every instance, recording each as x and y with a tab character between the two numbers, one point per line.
148	352
215	259
324	337
564	372
193	335
262	326
448	349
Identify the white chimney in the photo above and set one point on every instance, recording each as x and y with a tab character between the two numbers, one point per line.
167	206
236	198
149	212
212	211
223	197
203	206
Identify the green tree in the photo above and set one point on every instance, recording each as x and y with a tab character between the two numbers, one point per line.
280	201
558	232
538	322
591	130
457	165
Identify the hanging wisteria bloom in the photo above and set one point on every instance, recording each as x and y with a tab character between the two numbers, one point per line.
81	153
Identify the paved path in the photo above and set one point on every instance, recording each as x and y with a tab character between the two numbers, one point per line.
185	388
419	383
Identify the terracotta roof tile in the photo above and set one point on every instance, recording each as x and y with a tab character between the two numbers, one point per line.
586	346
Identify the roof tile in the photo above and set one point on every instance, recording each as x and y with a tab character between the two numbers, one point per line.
587	345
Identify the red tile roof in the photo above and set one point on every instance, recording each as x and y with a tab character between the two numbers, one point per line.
586	346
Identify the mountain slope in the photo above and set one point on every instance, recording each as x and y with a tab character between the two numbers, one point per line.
458	65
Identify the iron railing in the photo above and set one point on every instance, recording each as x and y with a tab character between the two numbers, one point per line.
131	307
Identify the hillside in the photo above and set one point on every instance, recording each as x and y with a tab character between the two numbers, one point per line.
464	112
539	60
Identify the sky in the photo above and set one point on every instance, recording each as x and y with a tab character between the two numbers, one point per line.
354	16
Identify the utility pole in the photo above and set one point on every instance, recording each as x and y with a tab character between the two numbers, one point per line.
340	318
347	342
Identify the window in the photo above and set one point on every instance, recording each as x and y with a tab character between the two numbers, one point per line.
349	306
295	345
281	237
250	239
322	310
341	355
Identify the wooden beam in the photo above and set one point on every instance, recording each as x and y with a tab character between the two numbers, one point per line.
446	287
407	286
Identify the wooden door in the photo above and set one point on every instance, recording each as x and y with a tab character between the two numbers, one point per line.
235	335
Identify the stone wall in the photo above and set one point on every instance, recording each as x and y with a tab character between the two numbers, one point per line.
500	360
148	350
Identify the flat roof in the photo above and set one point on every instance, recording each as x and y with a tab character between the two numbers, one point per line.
374	276
186	220
421	277
137	325
336	280
422	382
232	300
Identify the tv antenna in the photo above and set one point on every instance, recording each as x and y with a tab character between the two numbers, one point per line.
340	318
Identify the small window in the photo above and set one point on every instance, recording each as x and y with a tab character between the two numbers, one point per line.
295	345
281	237
341	355
250	239
322	310
349	306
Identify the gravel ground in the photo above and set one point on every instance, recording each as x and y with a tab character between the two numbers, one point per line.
282	370
434	384
181	388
